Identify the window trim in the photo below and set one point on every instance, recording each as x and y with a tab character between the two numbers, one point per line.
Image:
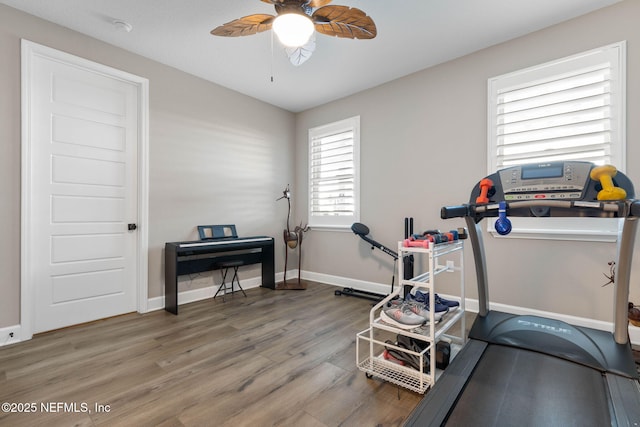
335	222
580	229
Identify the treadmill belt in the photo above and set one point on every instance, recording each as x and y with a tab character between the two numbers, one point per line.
515	387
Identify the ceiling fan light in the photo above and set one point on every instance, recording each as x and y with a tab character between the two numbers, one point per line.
293	29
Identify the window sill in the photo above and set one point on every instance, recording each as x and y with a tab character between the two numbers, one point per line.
330	227
571	229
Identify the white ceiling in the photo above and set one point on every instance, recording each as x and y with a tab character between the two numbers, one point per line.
412	35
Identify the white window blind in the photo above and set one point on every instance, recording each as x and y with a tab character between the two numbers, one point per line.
569	109
334	199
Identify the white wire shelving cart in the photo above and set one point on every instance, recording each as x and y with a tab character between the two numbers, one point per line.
372	342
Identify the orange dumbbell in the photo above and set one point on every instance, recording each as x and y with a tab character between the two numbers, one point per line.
485	185
605	175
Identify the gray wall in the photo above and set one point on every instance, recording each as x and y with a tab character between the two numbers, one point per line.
215	156
423	146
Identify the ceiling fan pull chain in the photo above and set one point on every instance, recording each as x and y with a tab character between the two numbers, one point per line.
272	57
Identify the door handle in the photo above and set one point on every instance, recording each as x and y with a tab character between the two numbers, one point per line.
131	227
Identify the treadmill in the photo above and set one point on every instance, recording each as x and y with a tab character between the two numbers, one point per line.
524	370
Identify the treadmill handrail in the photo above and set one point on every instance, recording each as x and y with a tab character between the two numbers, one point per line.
629	210
620	209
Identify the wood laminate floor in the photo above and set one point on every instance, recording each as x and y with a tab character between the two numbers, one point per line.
284	358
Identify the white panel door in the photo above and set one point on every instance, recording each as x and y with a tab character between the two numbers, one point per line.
83	161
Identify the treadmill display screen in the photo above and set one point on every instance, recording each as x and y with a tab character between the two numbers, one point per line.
537	172
548	180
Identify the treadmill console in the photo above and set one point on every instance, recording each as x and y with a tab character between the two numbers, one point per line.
525	189
551	180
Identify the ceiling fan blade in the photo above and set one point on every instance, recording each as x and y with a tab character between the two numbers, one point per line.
299	55
343	21
313	3
245	26
318	3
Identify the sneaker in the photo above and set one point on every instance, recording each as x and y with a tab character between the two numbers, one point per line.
401	317
416	308
421	310
392	355
423	298
453	305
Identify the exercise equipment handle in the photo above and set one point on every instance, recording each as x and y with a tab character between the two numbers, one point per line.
380	246
558	204
454	211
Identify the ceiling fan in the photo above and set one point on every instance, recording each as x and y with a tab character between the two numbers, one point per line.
296	21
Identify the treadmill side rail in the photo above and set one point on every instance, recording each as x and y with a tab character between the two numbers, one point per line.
434	409
625	398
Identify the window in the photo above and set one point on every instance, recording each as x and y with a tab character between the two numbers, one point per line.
569	109
334	185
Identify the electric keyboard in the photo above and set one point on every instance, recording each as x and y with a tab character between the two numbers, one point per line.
193	257
213	242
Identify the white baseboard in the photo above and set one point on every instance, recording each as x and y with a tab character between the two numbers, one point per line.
471	305
10	335
345	282
199	294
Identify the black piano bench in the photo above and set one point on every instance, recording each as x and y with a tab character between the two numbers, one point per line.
224	267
